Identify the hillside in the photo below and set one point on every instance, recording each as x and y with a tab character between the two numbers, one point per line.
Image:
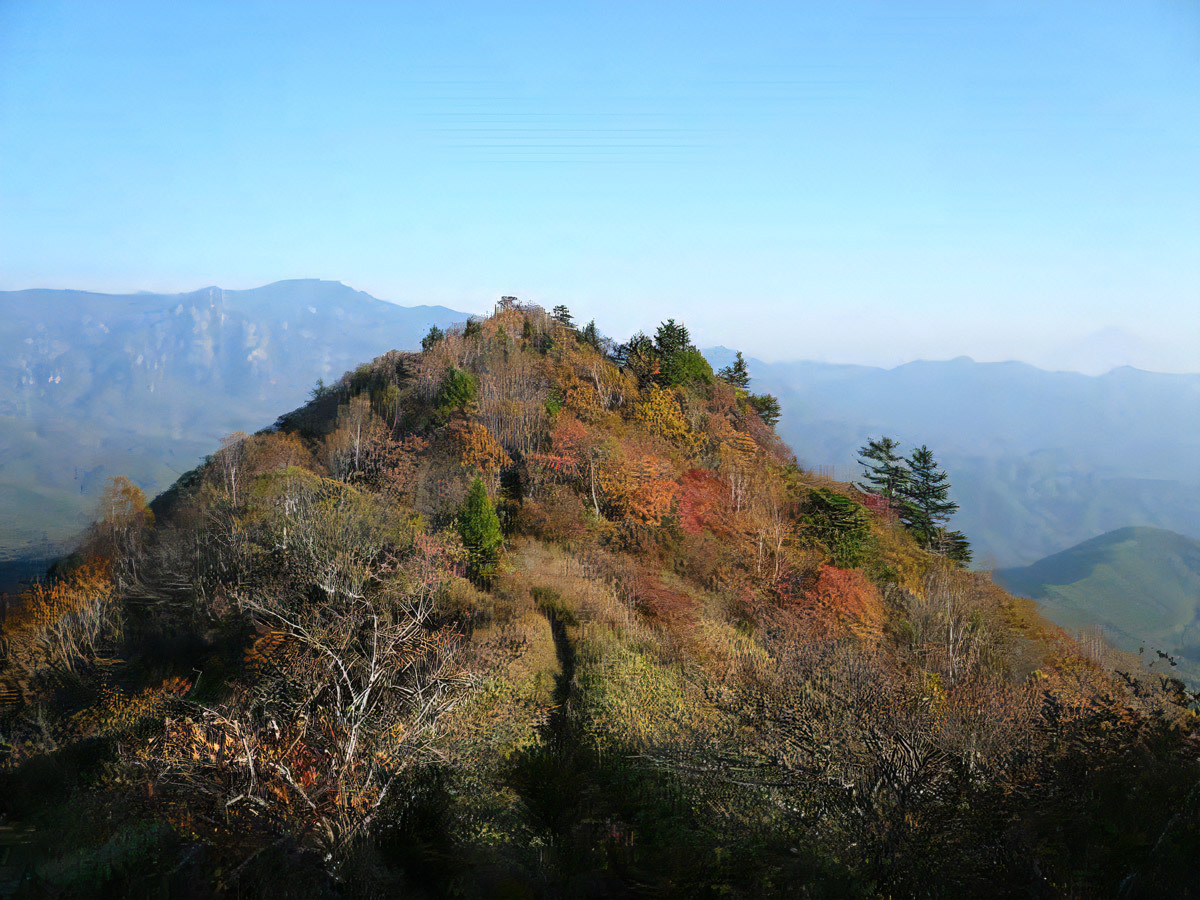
95	385
1041	460
530	614
1141	585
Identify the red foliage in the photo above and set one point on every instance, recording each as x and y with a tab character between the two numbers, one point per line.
879	506
570	437
701	501
658	601
571	443
555	463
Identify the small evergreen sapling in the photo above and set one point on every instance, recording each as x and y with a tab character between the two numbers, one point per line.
479	528
458	389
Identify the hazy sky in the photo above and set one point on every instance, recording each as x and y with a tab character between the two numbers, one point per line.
868	182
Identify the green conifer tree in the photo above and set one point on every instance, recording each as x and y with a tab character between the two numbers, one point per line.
926	504
672	337
590	335
639	357
736	373
767	407
884	471
458	389
563	316
435	334
954	545
479	528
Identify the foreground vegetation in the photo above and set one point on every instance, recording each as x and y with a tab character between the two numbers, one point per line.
529	614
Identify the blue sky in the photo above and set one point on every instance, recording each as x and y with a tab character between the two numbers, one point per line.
868	182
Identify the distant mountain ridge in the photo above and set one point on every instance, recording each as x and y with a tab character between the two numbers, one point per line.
94	385
1140	585
1039	460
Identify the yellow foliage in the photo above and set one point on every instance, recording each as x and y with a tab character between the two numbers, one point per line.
662	413
59	625
117	711
909	562
479	450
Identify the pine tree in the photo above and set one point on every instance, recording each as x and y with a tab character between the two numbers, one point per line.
954	545
590	335
672	337
639	357
926	497
563	316
736	372
458	389
479	528
884	472
435	335
767	407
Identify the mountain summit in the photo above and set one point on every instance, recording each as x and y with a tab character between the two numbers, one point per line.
532	614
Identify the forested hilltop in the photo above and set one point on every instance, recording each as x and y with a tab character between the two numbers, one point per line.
528	614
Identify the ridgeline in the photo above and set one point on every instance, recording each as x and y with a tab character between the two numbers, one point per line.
529	614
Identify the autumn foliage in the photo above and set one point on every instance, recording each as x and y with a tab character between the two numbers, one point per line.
533	613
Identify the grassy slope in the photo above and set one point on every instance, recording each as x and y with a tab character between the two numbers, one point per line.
1142	585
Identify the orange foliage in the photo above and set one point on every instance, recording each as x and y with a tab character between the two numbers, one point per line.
640	488
845	598
477	449
570	437
582	399
44	605
571	446
269	653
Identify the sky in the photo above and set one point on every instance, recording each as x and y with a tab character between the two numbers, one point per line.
851	182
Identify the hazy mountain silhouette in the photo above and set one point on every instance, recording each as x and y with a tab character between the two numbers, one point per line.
1039	460
94	385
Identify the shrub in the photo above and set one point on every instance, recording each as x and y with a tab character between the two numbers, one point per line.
839	525
457	390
